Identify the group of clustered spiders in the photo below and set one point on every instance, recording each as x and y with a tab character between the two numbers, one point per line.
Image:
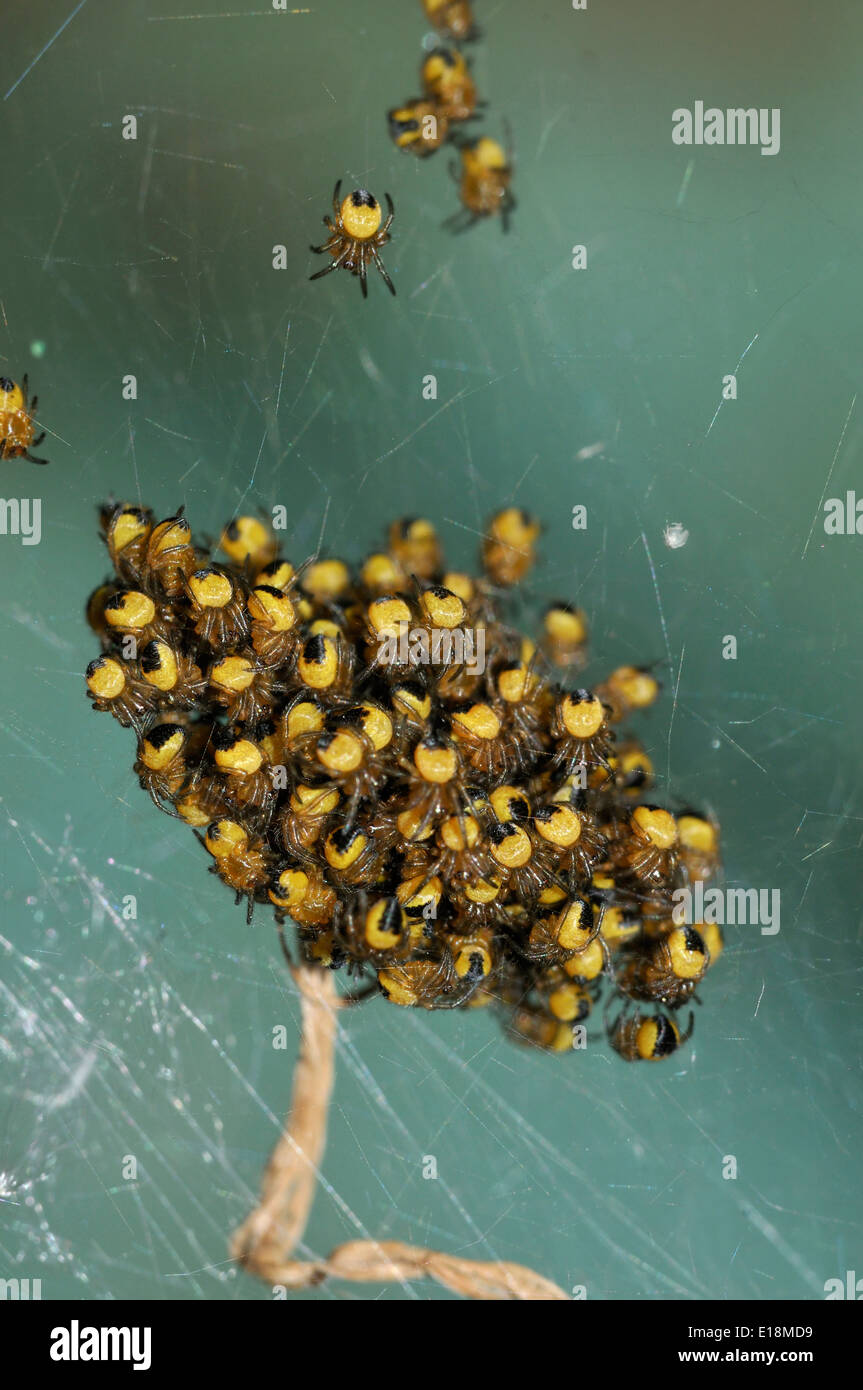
452	837
357	229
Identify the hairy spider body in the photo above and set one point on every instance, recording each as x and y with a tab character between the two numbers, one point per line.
639	1037
324	669
126	532
243	863
374	931
161	765
627	689
356	236
173	676
414	545
301	893
276	632
17	427
484	184
307	816
632	772
446	79
460	856
583	850
356	855
201	799
589	963
698	846
454	18
567	1000
419	127
114	686
526	866
537	1027
218	607
665	971
648	855
249	543
246	776
131	613
519	697
170	558
509	546
245	689
446	981
556	936
565	634
580	730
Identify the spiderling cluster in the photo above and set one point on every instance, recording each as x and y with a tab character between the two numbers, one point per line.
389	763
422	125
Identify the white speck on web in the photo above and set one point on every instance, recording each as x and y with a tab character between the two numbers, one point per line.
675	535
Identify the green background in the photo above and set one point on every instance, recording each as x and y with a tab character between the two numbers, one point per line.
154	257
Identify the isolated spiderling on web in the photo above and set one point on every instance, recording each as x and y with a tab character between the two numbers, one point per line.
381	757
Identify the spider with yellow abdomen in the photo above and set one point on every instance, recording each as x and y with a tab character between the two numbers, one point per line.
17	427
357	233
484	184
665	971
647	1037
446	78
241	861
454	18
419	126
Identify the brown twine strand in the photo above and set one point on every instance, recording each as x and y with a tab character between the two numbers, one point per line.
264	1242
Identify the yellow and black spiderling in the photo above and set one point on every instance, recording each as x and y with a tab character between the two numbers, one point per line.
17	426
453	18
447	80
449	831
646	1037
484	178
419	127
357	231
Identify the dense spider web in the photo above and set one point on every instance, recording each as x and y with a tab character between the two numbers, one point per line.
150	1037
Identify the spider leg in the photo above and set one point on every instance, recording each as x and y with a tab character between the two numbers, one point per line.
32	459
286	950
461	221
362	271
37	442
455	1000
510	147
24	382
361	995
380	265
427	819
334	265
336	192
330	244
391	212
352	808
